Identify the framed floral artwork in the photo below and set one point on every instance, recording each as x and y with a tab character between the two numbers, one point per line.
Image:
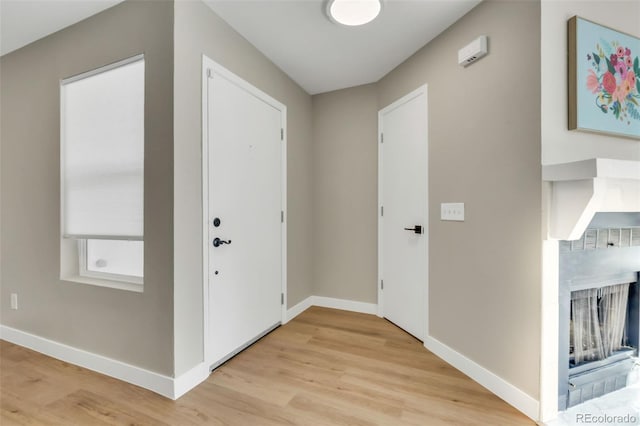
604	79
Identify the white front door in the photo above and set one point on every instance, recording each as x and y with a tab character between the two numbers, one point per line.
245	213
403	216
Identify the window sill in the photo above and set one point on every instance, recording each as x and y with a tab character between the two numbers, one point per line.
136	287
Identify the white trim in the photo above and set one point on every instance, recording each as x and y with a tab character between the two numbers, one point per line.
345	305
102	69
155	382
285	220
190	380
206	349
497	385
380	278
130	282
549	330
210	67
103	237
330	302
296	310
108	283
420	91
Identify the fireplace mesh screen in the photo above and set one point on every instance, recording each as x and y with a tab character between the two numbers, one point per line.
598	318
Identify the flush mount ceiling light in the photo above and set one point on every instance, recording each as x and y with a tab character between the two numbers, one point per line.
353	12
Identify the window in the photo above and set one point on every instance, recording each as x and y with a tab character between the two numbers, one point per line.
102	174
114	259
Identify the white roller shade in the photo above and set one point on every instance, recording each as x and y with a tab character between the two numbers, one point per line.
102	152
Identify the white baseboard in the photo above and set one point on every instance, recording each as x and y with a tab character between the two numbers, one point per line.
330	302
299	308
345	305
158	383
189	380
503	389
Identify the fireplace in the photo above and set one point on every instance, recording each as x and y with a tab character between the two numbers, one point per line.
599	308
592	241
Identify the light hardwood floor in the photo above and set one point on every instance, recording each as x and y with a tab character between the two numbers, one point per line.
326	367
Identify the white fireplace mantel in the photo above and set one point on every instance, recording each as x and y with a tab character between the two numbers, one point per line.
581	189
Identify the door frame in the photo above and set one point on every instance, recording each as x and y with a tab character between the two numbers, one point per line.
422	90
210	66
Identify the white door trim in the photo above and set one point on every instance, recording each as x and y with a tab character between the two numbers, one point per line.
208	65
422	90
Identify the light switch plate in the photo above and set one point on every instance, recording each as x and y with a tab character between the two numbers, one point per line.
452	211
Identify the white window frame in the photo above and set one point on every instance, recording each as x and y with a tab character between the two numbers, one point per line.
73	252
85	272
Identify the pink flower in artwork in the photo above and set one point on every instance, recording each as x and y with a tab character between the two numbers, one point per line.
628	85
628	61
613	59
621	69
612	77
592	82
609	82
631	78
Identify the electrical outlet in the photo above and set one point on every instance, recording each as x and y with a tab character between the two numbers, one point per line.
452	211
14	300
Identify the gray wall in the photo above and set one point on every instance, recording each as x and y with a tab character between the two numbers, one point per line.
135	328
484	150
198	30
345	191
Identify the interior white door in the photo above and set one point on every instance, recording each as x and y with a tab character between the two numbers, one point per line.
403	198
245	200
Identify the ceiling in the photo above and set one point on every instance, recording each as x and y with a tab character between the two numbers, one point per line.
295	34
25	21
321	56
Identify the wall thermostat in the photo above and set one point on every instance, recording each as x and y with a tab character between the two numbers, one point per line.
473	51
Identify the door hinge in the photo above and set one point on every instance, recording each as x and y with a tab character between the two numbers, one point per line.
209	72
281	216
381	210
381	137
381	284
282	298
281	134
